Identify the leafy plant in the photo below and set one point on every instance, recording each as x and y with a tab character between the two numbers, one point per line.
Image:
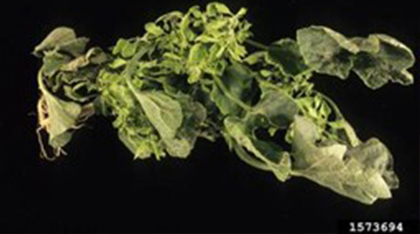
191	76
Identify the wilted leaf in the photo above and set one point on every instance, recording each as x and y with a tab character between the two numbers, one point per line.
383	59
58	36
357	172
326	51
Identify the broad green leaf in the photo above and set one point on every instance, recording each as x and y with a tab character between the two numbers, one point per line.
326	51
358	173
285	53
164	112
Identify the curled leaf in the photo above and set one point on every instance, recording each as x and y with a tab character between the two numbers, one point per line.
58	36
383	59
361	173
326	51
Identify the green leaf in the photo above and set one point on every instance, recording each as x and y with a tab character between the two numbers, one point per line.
198	54
194	116
377	59
326	51
125	48
58	36
164	112
285	53
153	29
74	47
215	8
361	173
62	117
216	25
383	59
53	61
179	148
255	57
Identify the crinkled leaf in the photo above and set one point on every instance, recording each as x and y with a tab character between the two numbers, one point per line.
326	51
75	64
377	59
383	59
358	173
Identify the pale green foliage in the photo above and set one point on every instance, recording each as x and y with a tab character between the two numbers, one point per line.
190	76
360	172
376	59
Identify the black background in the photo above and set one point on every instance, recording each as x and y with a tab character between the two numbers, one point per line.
99	188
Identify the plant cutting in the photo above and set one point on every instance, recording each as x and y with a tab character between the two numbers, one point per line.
199	74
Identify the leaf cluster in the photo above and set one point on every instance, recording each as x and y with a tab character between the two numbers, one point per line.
191	76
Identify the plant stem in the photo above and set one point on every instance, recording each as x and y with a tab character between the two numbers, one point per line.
256	44
337	111
248	159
